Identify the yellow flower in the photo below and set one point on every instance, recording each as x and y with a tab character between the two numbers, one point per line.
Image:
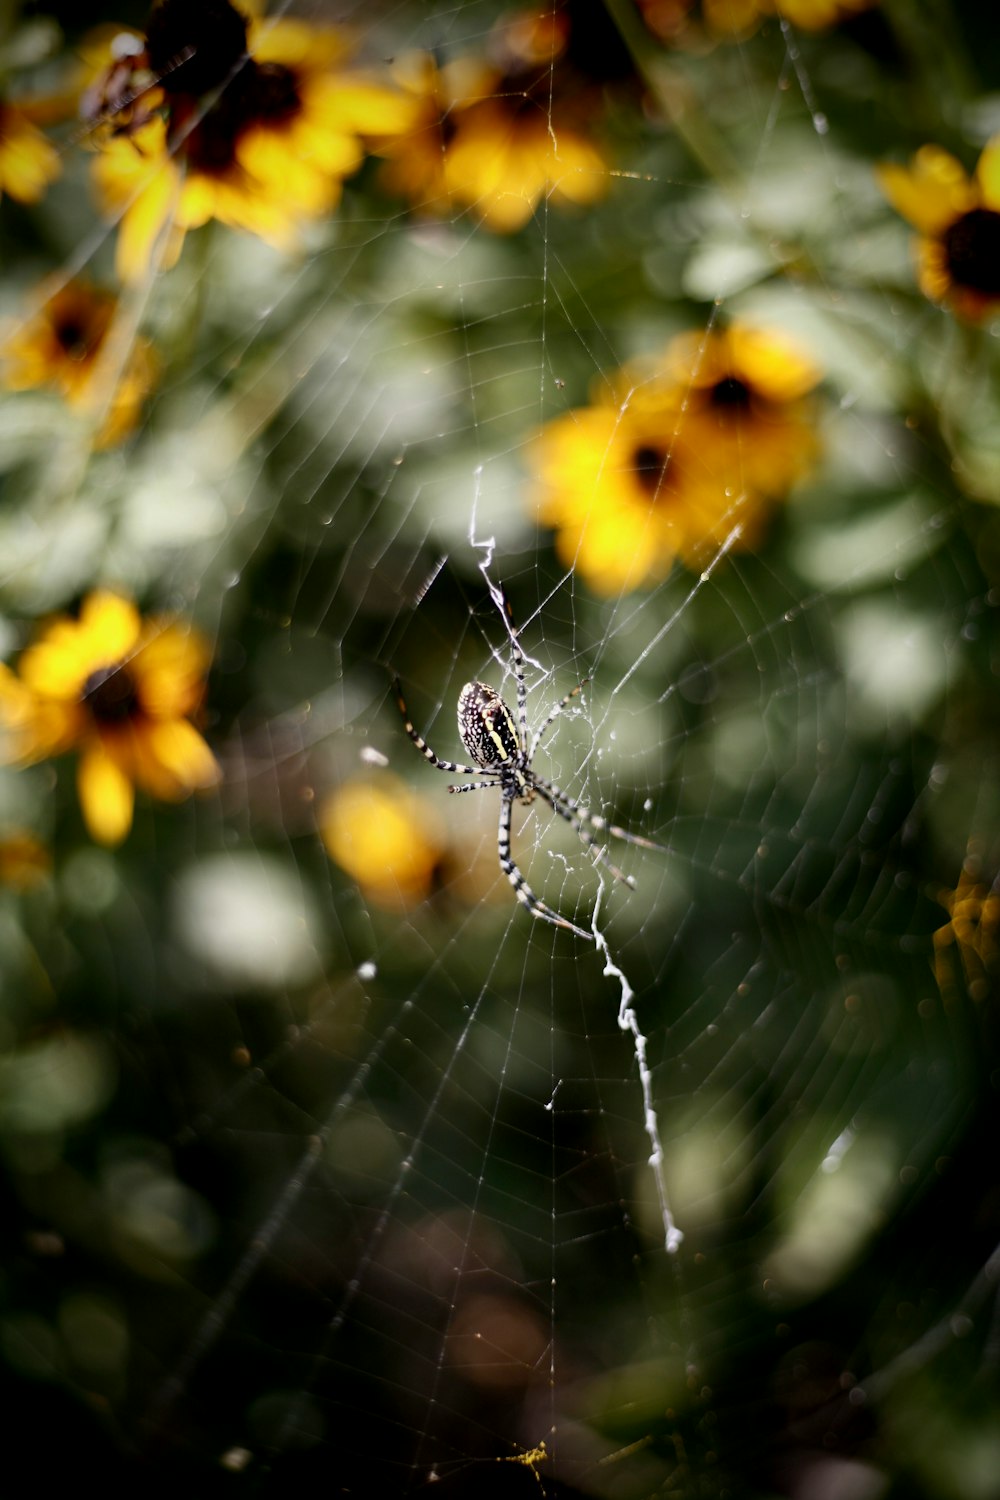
120	690
385	838
63	346
493	142
28	163
268	155
958	253
675	456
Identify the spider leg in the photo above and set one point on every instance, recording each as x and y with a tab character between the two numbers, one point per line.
540	731
522	890
554	794
422	745
522	689
475	786
586	837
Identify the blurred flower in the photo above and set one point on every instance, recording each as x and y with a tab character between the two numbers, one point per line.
384	837
493	141
267	154
28	163
737	17
622	491
25	862
972	934
669	19
676	454
958	254
120	690
64	346
741	392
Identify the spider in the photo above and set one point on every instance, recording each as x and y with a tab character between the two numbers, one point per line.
504	757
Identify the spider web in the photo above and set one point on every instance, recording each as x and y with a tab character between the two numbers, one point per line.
314	1188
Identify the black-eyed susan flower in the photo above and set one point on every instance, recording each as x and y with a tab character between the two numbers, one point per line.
743	405
958	217
622	491
676	456
385	837
261	141
63	347
492	140
28	162
120	690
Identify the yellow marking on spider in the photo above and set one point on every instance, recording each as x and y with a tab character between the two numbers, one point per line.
529	1460
495	737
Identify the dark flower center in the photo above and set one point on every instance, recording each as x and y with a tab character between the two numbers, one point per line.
972	250
194	45
211	145
110	695
650	465
729	392
260	93
272	93
447	127
73	337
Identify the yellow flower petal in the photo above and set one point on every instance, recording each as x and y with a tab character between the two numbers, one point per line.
774	364
932	192
180	751
111	623
988	174
31	727
296	44
145	220
356	105
137	180
106	795
577	170
169	669
28	162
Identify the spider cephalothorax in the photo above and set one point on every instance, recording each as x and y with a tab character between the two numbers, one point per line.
503	754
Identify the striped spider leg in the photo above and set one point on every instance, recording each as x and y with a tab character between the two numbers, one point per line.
503	752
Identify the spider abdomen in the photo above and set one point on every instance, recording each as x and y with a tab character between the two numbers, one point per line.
487	727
